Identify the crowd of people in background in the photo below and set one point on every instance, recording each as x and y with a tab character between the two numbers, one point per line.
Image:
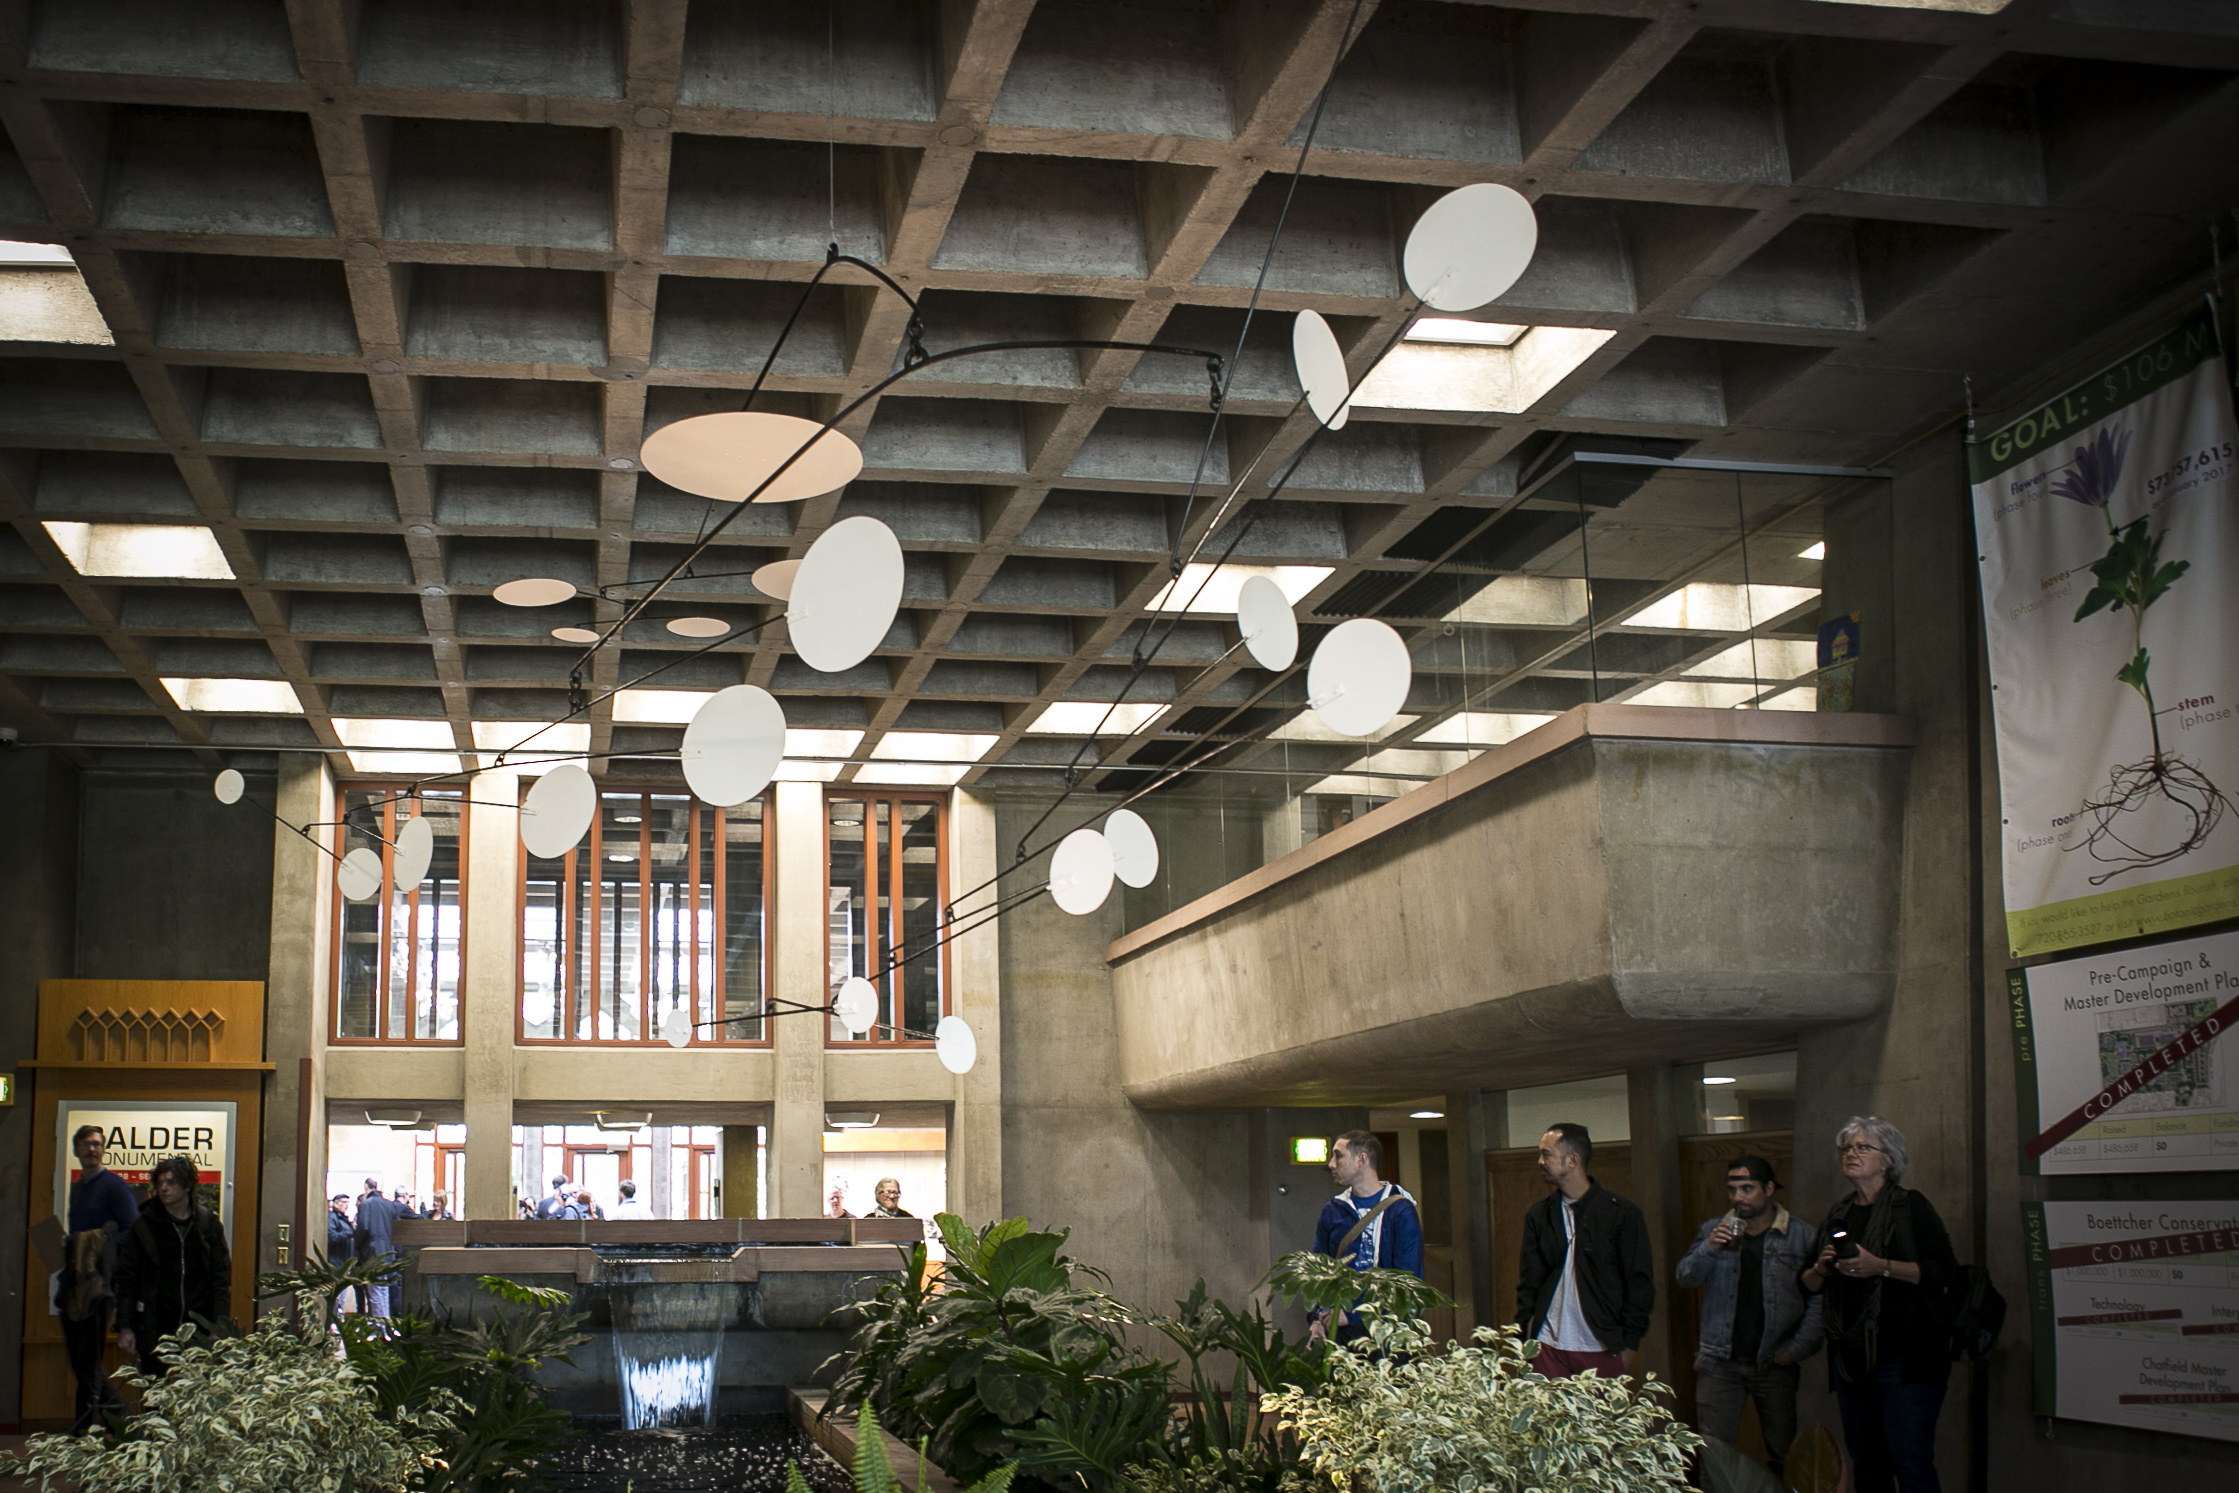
1873	1283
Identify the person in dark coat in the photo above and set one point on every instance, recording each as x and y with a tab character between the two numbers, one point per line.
101	1211
174	1265
1586	1281
377	1216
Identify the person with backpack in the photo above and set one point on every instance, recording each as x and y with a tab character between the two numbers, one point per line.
1885	1272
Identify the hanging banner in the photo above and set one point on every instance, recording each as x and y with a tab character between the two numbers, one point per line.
2105	521
2127	1062
2134	1313
142	1132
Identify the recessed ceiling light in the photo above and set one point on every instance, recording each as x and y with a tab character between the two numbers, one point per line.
1715	1079
1469	333
241	696
659	707
1088	718
575	634
1426	1114
934	746
1215	589
534	591
698	627
141	551
851	1119
1816	552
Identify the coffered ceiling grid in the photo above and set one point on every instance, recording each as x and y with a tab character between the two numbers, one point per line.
397	290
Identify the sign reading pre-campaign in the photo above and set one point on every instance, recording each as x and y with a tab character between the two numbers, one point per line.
2134	1311
141	1132
2107	521
2128	1062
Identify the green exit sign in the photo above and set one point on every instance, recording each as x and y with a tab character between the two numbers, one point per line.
1309	1150
7	1088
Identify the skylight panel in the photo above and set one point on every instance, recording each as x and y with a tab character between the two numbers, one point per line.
1720	606
43	298
931	746
1466	333
141	551
1214	589
809	741
235	696
913	774
549	744
1088	718
1483	728
659	707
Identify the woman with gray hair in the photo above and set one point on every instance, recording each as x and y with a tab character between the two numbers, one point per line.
1886	1270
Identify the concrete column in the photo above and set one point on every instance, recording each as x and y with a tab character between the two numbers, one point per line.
490	987
741	1169
655	1189
975	1132
800	960
1659	1114
295	1014
1476	1122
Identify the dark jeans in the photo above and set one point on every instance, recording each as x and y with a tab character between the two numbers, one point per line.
1723	1387
1890	1428
84	1343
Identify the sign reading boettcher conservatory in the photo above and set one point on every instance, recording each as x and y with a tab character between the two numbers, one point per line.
2110	579
2129	1062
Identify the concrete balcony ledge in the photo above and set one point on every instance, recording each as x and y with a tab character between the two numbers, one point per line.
1624	884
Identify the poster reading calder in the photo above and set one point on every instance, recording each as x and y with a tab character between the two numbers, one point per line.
2110	580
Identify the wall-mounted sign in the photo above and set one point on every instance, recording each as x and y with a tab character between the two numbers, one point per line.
2107	522
1309	1150
2127	1062
142	1132
7	1088
2135	1313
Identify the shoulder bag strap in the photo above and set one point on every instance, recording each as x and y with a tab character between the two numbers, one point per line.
1352	1235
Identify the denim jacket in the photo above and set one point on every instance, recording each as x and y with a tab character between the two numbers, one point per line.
1791	1317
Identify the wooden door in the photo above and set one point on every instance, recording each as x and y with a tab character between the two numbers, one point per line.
1512	1185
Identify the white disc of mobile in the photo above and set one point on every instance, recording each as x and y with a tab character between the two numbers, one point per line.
730	456
359	875
676	1027
856	1005
698	627
229	787
1269	626
557	813
1359	677
1134	847
1081	872
845	594
1321	369
534	591
575	635
1471	246
415	848
954	1044
776	578
732	746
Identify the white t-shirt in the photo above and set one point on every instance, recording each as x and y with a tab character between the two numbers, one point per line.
630	1208
1567	1327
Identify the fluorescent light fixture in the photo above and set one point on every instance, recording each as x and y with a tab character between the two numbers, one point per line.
1221	585
1426	1114
610	1119
1775	658
17	255
236	696
1714	1079
851	1119
1721	606
141	551
659	707
913	774
1087	718
809	741
554	743
395	1119
1482	728
1816	552
790	771
1471	333
933	746
1525	601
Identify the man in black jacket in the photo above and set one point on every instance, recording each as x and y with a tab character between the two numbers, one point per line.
174	1265
1587	1282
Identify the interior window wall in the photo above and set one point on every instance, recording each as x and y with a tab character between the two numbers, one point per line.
917	1157
676	1169
886	862
397	957
660	909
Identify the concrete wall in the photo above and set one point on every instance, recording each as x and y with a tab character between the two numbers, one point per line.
172	884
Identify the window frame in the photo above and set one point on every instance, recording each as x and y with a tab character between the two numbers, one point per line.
717	884
391	793
874	1041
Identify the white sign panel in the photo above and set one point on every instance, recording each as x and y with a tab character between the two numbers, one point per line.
142	1132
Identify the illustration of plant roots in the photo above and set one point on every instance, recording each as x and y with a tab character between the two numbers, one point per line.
2132	577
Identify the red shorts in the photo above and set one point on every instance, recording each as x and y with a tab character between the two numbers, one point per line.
1557	1363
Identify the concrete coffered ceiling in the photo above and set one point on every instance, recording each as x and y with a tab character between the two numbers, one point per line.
384	297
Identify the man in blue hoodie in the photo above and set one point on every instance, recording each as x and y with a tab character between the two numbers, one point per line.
101	1211
1371	1222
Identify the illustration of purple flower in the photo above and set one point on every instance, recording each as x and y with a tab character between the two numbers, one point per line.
2097	467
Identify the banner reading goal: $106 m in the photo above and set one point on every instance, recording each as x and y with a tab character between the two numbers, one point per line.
2105	520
